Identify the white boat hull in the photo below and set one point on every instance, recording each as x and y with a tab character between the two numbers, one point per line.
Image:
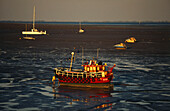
34	33
27	38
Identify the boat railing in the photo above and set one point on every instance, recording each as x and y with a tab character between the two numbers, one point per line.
79	74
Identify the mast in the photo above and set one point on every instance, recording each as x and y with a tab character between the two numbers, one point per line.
34	18
26	28
80	24
71	60
82	54
98	52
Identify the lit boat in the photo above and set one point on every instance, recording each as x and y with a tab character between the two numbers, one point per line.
34	31
81	30
92	75
120	46
27	38
130	40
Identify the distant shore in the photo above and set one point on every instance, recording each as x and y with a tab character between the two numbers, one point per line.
93	23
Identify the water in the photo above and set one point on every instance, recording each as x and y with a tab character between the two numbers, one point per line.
141	83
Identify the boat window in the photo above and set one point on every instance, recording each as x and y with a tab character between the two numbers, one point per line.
94	68
87	68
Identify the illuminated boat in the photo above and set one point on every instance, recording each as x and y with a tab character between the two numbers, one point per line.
120	46
34	31
80	29
92	75
27	38
130	40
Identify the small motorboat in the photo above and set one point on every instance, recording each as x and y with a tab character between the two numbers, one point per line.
130	40
120	46
27	38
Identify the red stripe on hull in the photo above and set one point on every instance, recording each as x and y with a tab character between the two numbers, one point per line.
64	79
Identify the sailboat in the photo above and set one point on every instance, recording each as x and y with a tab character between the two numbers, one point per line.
34	31
26	37
80	30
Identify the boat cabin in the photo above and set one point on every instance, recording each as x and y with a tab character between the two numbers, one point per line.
93	67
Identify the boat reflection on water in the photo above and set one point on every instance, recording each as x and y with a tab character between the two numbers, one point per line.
88	98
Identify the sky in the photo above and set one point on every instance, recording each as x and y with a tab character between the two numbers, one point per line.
85	10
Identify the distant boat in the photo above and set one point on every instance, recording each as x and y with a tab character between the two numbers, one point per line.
34	31
130	40
80	30
120	46
27	38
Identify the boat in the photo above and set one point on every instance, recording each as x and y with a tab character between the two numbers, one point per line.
27	38
120	46
130	40
34	31
92	75
80	29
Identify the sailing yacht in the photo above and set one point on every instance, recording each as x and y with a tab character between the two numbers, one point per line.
81	30
34	31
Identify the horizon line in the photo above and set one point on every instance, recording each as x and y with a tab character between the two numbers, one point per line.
90	22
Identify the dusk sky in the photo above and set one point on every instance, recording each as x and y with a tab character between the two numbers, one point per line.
85	10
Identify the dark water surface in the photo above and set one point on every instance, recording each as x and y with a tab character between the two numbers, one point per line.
142	74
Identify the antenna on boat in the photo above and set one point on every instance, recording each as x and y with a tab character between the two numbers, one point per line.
98	52
80	25
75	57
71	60
82	54
26	28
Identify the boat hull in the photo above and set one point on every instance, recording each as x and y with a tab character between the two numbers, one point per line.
88	85
84	80
93	80
128	41
29	38
34	33
120	48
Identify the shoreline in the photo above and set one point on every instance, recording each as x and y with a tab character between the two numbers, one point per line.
164	23
12	25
